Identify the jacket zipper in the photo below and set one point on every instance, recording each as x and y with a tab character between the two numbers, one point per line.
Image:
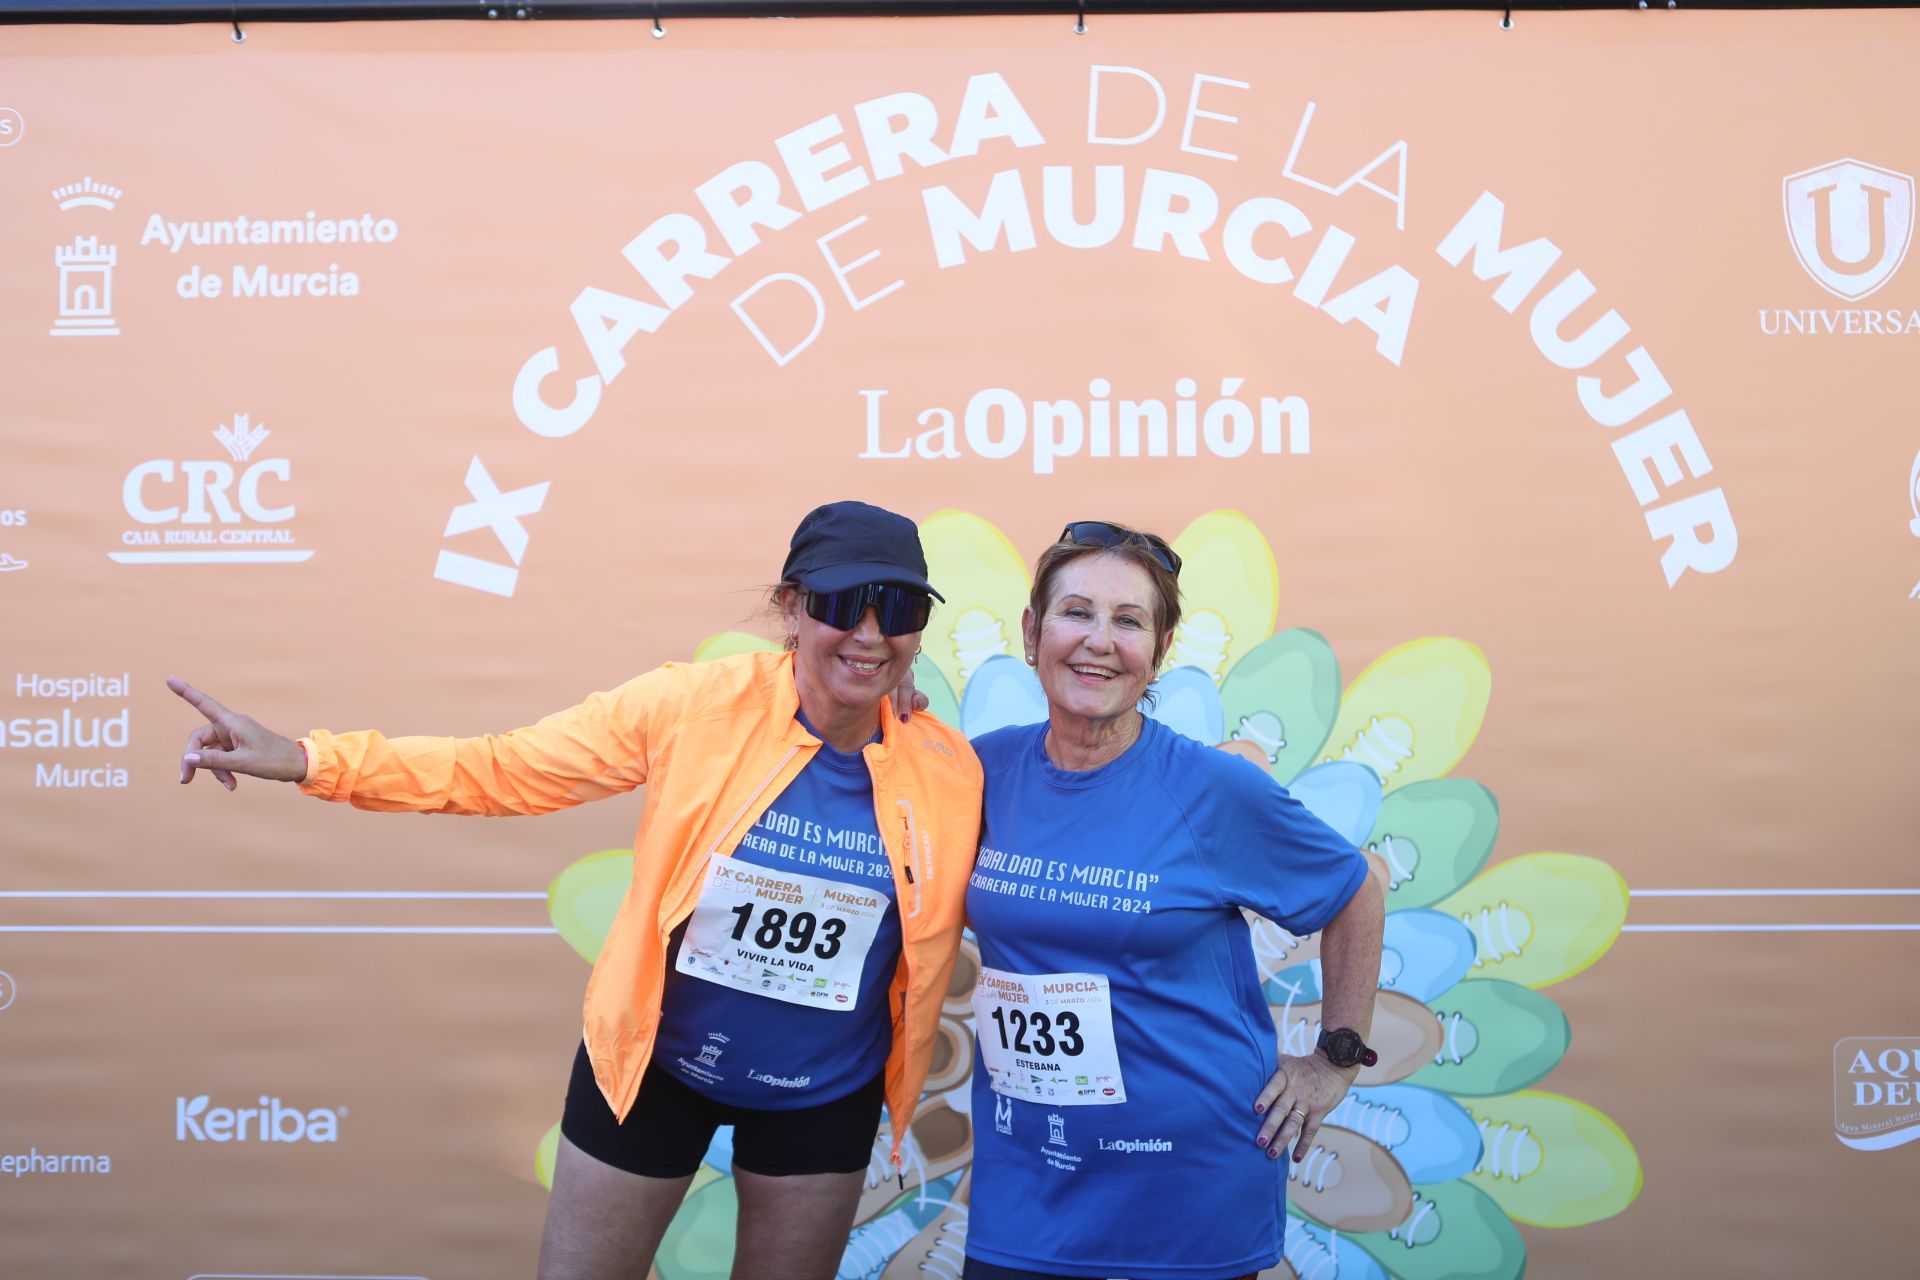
677	914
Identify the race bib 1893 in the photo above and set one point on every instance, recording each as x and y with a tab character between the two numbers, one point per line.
1048	1037
781	934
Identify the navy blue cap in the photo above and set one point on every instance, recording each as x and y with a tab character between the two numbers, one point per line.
849	544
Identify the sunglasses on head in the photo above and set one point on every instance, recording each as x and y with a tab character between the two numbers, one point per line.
1098	533
900	610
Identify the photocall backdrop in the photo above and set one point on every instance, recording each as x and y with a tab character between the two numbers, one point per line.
1534	409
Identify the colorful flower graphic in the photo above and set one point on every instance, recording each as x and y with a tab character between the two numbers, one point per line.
1445	1143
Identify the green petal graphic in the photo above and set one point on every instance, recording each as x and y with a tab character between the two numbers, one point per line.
1282	697
699	1243
1496	1037
1541	918
927	678
1413	714
1551	1161
728	643
1434	837
584	898
1455	1232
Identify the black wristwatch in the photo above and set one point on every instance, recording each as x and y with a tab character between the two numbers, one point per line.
1344	1048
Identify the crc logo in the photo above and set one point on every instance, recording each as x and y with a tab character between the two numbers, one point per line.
1876	1091
194	1120
1850	223
216	510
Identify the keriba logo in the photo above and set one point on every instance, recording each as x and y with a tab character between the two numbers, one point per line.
197	1120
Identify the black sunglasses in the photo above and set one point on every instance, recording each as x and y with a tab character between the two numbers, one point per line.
901	610
1098	533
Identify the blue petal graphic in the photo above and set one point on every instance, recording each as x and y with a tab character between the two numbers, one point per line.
1003	691
1187	701
1430	951
1344	795
1434	1138
1314	1257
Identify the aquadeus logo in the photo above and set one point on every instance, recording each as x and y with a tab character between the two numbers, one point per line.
1876	1091
1851	224
197	1120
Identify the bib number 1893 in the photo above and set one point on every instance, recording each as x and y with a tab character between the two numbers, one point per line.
793	933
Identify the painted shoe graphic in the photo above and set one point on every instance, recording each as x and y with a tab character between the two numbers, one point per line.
966	974
930	680
1412	715
1497	1037
1344	795
1434	1138
1455	1232
1422	954
1276	951
1231	589
10	565
1187	701
939	1141
1311	1252
1551	1161
1542	917
1405	1034
939	1250
699	1242
1004	691
584	898
1282	697
984	579
545	1154
1349	1183
1433	836
726	644
1425	953
952	1055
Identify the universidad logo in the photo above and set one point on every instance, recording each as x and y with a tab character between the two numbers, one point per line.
1446	1143
1851	224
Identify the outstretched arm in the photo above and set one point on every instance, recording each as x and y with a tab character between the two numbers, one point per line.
230	743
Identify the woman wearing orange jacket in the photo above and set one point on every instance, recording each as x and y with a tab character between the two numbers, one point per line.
780	958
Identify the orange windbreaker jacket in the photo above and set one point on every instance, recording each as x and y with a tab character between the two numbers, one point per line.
716	742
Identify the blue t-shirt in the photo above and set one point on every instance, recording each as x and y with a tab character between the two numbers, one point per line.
746	1050
1138	870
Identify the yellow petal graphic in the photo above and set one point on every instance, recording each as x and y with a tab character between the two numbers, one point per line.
545	1154
1230	593
1541	918
1414	713
584	898
1552	1161
985	582
726	644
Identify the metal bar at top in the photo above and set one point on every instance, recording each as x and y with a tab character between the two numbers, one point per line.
242	11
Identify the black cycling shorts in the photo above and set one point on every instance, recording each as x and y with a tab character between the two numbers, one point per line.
671	1125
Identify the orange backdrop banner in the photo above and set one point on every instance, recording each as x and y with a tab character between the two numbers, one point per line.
1531	407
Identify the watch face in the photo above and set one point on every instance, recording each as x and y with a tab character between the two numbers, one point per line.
1343	1047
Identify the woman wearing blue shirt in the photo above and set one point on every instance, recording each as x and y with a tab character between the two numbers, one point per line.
1125	1045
